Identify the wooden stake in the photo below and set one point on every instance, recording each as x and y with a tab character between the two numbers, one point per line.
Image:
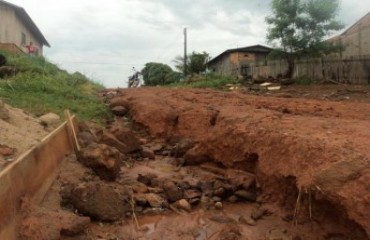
75	144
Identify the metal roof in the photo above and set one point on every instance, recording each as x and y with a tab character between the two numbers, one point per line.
27	21
250	49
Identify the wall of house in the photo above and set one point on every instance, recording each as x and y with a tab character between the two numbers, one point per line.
11	29
7	17
357	39
232	63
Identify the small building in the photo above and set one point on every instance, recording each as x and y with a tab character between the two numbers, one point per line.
236	62
18	31
356	39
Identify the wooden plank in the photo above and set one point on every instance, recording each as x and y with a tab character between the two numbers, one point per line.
30	176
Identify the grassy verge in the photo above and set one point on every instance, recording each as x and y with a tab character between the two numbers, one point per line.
207	81
40	87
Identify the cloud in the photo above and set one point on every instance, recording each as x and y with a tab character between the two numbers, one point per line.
105	39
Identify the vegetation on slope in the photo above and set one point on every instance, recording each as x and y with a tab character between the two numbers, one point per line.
206	81
39	86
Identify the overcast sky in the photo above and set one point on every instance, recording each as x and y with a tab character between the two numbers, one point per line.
105	39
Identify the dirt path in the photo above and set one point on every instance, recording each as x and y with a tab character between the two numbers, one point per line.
202	164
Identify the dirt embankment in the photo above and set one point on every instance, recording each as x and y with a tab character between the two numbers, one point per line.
310	150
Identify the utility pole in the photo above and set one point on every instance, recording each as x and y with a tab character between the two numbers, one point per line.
185	53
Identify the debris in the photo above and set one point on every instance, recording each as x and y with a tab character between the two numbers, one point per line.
103	159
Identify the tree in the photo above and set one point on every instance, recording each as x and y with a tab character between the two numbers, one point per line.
196	62
158	74
298	27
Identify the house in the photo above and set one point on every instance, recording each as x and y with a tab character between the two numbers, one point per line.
17	30
356	39
236	62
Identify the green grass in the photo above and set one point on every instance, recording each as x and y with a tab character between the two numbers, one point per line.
41	87
207	81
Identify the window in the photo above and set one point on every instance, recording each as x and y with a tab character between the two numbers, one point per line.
23	39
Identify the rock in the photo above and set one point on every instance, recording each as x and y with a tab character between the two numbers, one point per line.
216	199
183	204
156	148
6	151
4	112
232	199
220	192
154	200
119	102
222	219
140	200
218	205
147	153
110	140
248	221
249	196
99	201
172	191
190	194
103	159
128	138
258	213
146	178
181	148
50	119
195	157
75	226
139	188
86	138
119	111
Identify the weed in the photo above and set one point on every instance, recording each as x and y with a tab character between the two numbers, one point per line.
40	87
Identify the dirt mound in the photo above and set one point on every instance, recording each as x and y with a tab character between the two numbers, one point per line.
321	145
19	132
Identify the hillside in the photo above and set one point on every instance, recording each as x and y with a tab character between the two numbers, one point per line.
38	86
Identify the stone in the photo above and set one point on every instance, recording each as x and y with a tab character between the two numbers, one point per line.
248	221
75	226
172	191
154	200
249	196
195	157
218	205
50	119
232	199
103	159
219	192
216	199
258	213
86	138
110	140
147	153
99	201
139	188
140	200
181	148
190	194
127	138
119	111
146	178
221	219
183	204
6	151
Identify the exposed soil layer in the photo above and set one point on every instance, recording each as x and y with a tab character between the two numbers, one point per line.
323	145
202	164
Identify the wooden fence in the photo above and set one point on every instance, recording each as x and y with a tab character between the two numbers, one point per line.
355	70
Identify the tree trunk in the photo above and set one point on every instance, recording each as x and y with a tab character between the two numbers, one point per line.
290	70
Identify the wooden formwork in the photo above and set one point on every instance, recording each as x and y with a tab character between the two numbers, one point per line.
30	176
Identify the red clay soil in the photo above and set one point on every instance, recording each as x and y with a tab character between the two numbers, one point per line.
319	146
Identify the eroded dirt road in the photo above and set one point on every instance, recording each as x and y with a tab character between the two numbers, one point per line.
215	165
